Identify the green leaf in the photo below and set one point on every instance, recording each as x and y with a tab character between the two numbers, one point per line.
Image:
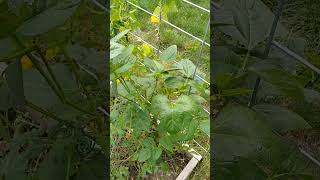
287	62
119	36
240	169
89	57
13	167
187	67
15	81
224	81
280	119
312	96
205	126
199	99
170	54
235	92
166	142
226	55
174	82
156	12
8	47
170	7
93	169
156	153
252	21
125	53
138	119
148	142
175	116
146	84
38	91
239	131
55	165
282	80
188	131
6	100
115	49
154	65
49	19
144	154
294	176
124	61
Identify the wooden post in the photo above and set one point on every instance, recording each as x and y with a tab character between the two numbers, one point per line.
196	158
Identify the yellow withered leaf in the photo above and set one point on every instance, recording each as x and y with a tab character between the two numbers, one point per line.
156	13
146	50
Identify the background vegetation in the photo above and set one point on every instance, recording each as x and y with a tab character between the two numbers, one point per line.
285	111
53	88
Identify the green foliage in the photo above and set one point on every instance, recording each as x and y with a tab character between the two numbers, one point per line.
39	24
240	132
151	114
50	91
250	142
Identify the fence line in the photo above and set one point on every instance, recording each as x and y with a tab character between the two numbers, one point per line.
296	57
100	5
197	6
167	22
141	39
200	54
310	157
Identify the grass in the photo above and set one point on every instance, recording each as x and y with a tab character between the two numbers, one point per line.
190	19
302	17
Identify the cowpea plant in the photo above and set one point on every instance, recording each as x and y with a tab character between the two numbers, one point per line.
248	141
53	80
151	112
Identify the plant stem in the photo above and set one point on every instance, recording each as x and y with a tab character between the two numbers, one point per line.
38	67
29	123
78	108
8	59
245	62
34	61
68	167
155	87
46	113
75	68
44	60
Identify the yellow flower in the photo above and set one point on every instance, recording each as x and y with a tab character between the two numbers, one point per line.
118	81
154	19
26	62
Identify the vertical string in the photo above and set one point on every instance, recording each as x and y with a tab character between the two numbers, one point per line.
276	19
199	62
126	6
159	40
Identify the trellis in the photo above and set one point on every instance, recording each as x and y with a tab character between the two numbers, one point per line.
195	157
270	42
